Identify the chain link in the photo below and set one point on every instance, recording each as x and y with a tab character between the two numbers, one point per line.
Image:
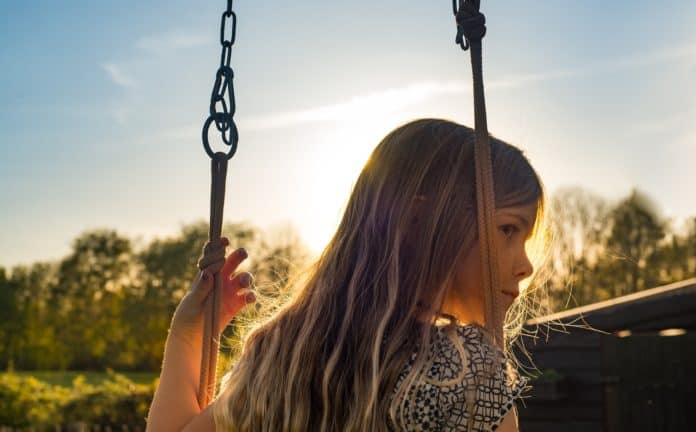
222	100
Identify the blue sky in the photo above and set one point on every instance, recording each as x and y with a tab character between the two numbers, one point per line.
102	103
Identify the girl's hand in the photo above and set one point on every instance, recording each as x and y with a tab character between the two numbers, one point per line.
187	323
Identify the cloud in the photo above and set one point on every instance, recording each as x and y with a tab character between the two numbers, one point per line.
365	105
391	100
398	98
118	76
386	101
170	41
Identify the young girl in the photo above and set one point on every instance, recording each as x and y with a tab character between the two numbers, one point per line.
388	332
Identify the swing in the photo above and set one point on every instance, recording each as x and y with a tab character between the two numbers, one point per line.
470	31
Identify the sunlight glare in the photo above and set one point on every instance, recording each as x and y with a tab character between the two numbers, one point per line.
335	167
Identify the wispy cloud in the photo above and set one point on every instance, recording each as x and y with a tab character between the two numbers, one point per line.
398	98
170	41
383	101
391	100
118	76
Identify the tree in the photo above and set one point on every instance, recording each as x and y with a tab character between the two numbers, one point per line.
577	218
168	266
635	232
88	296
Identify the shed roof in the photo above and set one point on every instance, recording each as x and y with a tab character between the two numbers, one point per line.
668	306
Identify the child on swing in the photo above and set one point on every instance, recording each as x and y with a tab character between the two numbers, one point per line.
388	332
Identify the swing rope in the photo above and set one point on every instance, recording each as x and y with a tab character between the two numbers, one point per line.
471	27
223	94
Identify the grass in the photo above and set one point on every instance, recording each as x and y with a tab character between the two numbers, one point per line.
65	378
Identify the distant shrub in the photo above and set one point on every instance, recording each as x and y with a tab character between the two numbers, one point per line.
26	402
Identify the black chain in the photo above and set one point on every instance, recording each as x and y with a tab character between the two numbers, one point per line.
223	90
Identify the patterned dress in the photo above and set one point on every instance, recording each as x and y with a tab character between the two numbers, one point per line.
441	401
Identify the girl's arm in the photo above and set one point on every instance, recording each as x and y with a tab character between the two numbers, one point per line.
175	403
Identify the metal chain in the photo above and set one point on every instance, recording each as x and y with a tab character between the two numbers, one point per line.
222	102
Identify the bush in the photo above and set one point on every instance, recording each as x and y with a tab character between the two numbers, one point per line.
549	375
26	402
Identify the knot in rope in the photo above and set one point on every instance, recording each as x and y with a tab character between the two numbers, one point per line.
213	256
471	24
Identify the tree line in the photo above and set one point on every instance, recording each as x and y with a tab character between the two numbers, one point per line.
604	250
109	302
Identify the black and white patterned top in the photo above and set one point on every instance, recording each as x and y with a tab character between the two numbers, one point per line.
440	402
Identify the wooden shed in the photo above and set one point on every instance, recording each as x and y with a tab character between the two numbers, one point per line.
636	371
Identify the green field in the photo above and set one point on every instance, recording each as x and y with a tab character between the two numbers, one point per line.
65	378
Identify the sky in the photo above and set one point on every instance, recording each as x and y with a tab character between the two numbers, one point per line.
102	105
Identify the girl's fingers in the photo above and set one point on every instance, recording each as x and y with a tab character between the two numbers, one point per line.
236	287
239	282
247	294
233	261
235	294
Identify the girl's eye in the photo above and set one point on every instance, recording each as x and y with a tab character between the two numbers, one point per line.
509	229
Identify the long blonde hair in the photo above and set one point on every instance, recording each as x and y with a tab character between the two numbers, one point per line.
329	357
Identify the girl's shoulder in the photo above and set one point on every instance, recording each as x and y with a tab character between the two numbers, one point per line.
466	377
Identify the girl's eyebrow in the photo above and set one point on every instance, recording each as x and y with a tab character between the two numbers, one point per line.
525	223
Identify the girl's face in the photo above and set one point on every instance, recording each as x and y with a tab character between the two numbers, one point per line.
465	298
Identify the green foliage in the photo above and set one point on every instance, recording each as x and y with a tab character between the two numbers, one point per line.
116	402
604	251
548	375
66	378
26	402
109	302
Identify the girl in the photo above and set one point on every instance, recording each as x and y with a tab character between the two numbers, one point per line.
387	332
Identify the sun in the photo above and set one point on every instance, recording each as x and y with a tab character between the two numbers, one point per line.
333	169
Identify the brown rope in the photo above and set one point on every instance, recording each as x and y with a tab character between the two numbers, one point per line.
471	26
485	198
470	31
211	324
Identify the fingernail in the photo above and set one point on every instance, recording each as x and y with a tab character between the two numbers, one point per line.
250	298
245	279
243	253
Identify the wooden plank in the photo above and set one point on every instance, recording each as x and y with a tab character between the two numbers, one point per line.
669	300
610	375
576	393
554	339
654	391
565	426
558	411
580	376
576	359
685	320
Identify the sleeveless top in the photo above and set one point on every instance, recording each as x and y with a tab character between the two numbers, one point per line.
441	400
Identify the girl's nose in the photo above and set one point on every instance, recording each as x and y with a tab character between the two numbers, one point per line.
525	268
